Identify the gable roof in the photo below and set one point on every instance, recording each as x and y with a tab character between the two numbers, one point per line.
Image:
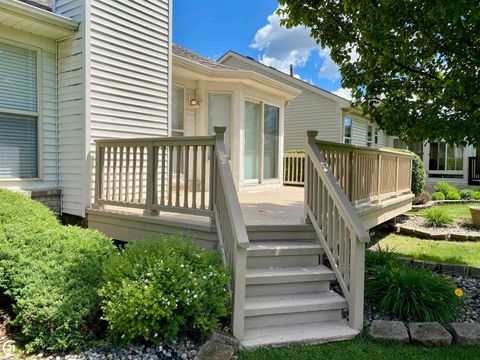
196	57
42	4
343	103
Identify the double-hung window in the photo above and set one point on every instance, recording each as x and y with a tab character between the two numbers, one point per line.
347	130
369	135
18	113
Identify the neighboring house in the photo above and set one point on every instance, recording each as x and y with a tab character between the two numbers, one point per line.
317	109
445	162
72	71
249	104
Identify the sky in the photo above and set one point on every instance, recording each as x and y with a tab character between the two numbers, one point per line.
251	28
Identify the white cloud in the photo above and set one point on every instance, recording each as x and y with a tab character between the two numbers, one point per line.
329	69
344	93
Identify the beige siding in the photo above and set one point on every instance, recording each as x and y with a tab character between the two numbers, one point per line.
71	110
129	68
309	111
359	133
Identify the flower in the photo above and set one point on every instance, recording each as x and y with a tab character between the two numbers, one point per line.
459	292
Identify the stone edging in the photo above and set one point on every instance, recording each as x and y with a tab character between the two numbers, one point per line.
455	269
442	202
433	235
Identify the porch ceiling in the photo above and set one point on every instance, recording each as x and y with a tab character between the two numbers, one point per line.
34	20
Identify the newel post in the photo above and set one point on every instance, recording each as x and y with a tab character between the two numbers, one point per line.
220	132
152	168
311	137
99	158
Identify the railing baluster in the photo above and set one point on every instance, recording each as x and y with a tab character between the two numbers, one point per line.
109	155
140	175
127	173
177	188
134	175
164	170
170	175
204	164
120	175
186	176
194	180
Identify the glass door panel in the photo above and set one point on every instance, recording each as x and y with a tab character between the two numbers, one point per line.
270	147
252	140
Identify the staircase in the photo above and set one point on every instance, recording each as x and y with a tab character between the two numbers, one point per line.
288	297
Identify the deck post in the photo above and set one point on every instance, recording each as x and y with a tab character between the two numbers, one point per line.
98	176
151	181
357	283
311	137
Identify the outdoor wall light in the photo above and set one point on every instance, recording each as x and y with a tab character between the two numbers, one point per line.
194	102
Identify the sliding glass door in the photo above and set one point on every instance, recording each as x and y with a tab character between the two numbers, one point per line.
261	142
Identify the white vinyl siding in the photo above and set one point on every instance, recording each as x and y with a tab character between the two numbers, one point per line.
129	68
308	111
359	134
72	118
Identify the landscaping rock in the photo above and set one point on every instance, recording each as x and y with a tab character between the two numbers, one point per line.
466	333
475	272
215	351
389	331
430	334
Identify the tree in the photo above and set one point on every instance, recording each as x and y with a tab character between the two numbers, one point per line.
413	66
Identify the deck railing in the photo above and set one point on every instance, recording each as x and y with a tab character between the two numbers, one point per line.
162	174
364	174
474	171
339	230
231	230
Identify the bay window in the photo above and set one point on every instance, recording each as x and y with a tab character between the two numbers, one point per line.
18	112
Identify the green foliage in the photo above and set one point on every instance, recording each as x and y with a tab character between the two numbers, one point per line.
444	188
419	175
295	151
411	65
476	195
154	289
453	195
466	194
438	196
413	294
437	217
52	274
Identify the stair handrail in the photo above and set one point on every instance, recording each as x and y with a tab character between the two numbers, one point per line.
338	228
231	229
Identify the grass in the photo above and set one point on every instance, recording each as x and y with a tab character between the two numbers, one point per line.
448	252
362	349
456	210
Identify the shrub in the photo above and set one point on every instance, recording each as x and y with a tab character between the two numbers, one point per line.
445	188
466	194
437	217
156	288
52	273
420	200
419	176
438	196
453	195
412	294
476	195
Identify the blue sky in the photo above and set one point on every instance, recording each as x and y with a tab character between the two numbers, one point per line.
251	27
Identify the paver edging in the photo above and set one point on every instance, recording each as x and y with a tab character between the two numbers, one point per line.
425	234
456	269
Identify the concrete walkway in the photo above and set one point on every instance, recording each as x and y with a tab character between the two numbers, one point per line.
283	206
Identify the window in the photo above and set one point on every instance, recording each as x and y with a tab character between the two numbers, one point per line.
347	130
375	131
369	135
18	113
220	114
444	157
178	101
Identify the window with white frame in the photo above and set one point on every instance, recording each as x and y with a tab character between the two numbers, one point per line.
178	111
347	130
375	135
445	157
18	112
369	135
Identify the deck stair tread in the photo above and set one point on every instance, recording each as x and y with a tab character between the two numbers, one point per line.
275	304
269	248
309	333
290	274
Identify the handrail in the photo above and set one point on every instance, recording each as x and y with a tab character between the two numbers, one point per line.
339	230
333	145
231	230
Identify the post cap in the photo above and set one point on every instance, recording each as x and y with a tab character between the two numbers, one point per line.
312	135
219	129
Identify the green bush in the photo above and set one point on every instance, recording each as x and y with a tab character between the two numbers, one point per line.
156	288
476	195
466	194
438	196
411	294
445	188
52	273
437	217
453	195
419	176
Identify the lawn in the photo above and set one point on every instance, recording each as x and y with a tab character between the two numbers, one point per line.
456	210
360	349
449	252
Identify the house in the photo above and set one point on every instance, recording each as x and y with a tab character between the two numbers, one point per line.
98	105
333	116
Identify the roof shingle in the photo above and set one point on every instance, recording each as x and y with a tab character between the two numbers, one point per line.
200	59
42	4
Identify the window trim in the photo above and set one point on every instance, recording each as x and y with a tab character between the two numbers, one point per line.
445	171
370	141
351	131
38	114
184	108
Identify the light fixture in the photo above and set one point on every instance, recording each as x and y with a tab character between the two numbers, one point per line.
194	102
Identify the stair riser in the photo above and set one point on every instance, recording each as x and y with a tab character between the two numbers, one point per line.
292	318
279	236
287	289
282	261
